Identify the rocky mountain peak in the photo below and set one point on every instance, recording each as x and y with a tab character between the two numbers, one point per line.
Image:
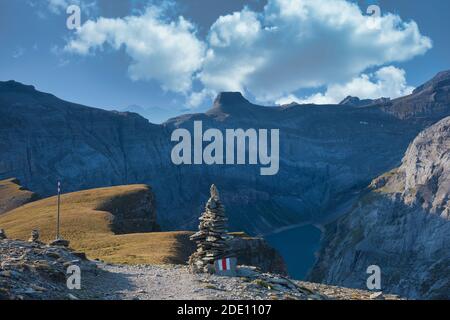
230	102
440	80
350	100
357	102
230	98
14	86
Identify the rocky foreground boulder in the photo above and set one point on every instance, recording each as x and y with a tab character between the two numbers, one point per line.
402	225
35	271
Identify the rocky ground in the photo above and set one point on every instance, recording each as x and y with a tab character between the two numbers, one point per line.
175	282
37	271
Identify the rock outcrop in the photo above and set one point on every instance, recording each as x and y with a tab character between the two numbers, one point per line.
212	238
402	225
134	212
13	195
34	271
255	251
356	102
431	98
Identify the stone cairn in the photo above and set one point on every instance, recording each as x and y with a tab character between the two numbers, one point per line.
212	238
34	236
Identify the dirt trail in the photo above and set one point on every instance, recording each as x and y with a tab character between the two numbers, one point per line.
174	282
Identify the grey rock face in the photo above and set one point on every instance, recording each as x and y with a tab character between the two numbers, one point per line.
426	170
328	154
402	225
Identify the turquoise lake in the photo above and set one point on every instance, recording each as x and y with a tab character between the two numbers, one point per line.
297	246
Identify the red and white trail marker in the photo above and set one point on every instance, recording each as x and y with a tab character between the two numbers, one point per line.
226	266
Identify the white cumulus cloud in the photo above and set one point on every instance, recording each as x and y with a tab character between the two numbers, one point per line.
290	45
295	44
389	82
166	51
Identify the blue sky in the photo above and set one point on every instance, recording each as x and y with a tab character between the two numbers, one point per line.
276	52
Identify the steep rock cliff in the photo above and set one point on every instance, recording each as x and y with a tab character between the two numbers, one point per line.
402	225
13	195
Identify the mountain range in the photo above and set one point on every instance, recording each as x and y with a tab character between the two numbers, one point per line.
329	154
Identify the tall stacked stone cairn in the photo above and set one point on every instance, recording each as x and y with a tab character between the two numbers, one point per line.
212	238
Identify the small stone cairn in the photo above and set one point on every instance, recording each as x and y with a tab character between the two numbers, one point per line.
3	234
212	238
34	236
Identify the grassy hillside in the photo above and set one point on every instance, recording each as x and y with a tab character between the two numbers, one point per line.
86	220
13	195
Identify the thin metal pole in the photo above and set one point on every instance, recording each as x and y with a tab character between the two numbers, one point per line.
59	198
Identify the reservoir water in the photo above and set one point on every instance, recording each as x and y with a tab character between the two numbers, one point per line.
297	246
